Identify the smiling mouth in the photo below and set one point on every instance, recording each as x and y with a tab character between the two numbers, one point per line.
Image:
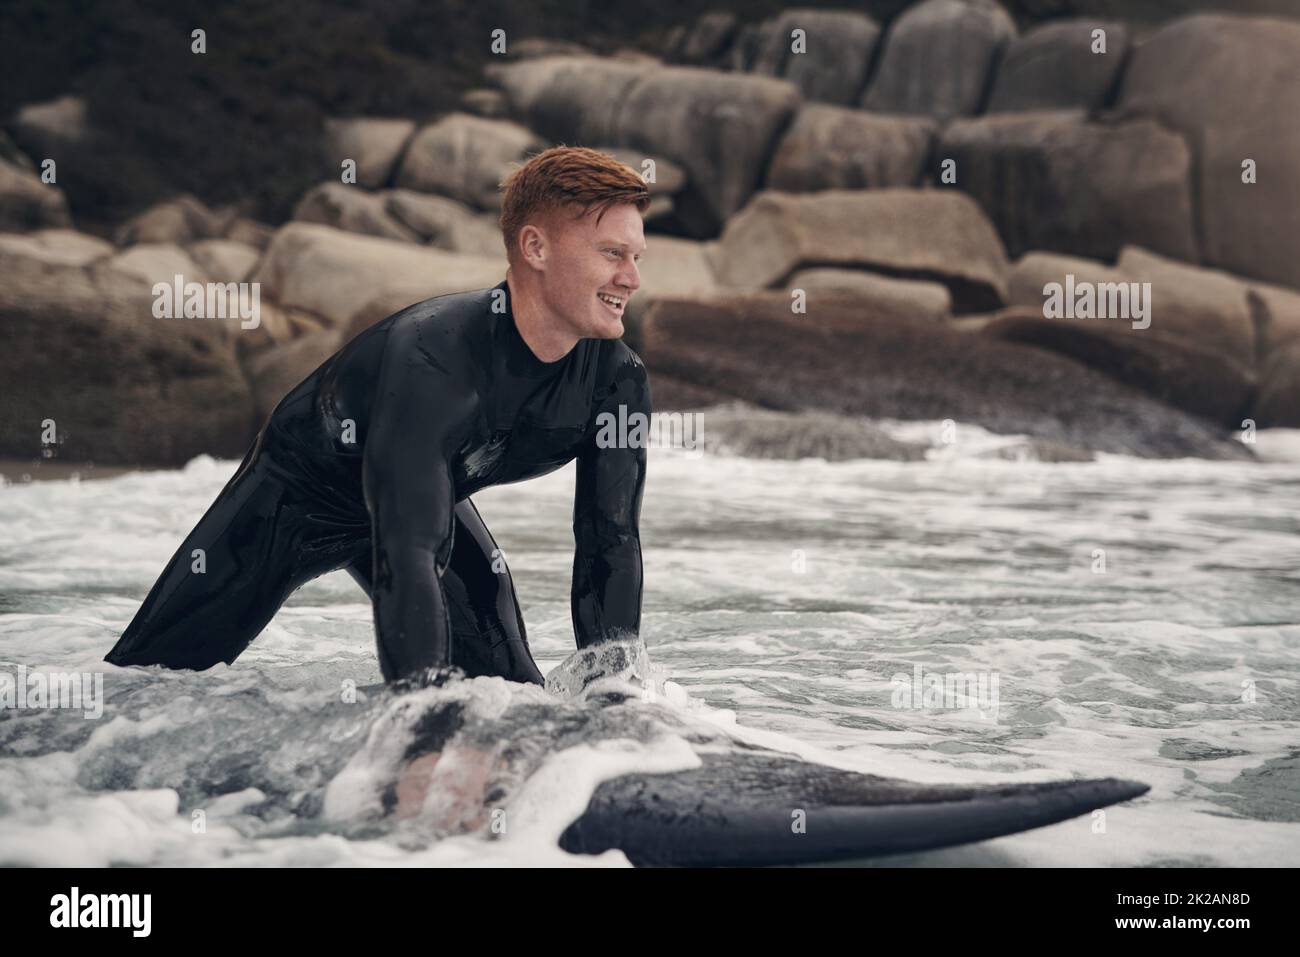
614	304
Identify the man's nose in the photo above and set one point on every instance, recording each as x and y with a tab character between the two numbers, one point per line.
629	275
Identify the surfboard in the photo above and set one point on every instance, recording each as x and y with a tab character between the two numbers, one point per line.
748	809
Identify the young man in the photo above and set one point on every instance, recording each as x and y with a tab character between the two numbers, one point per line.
369	464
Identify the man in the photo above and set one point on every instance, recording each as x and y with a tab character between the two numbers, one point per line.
369	464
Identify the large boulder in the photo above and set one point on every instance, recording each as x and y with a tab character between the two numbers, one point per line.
224	259
50	129
241	229
940	235
488	103
721	127
1056	181
1053	67
375	144
444	223
27	203
333	274
181	219
833	147
1276	311
1204	383
1198	307
1278	402
152	263
838	47
1208	307
61	246
704	43
1230	85
84	349
351	208
671	267
938	58
573	100
902	298
466	158
751	346
275	371
671	394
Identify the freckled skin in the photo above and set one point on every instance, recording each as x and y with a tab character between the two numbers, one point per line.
370	462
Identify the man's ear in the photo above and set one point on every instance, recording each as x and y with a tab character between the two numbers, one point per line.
535	246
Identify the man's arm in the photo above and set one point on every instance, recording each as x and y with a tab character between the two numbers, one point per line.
410	495
606	597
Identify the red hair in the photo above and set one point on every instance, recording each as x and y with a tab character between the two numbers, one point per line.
563	177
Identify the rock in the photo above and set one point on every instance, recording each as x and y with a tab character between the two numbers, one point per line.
466	158
670	178
375	144
1055	181
744	49
46	130
1037	450
152	263
350	208
250	232
27	203
938	58
738	429
673	42
181	219
1209	308
668	393
444	223
671	267
532	48
1206	384
838	47
938	235
1276	311
572	100
487	103
832	147
1186	303
84	349
1278	403
274	372
1029	275
1229	84
721	127
278	325
707	42
749	345
332	273
1052	67
224	260
59	246
901	298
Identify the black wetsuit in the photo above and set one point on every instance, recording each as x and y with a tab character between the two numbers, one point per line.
369	464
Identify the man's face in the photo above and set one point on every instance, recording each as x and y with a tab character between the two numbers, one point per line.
592	262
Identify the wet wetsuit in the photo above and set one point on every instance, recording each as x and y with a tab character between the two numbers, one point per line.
369	465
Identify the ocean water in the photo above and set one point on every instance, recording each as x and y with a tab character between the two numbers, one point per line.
1128	618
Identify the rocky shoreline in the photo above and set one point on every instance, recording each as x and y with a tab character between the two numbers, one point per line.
870	232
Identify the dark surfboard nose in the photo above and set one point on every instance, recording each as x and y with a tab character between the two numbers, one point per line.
738	809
